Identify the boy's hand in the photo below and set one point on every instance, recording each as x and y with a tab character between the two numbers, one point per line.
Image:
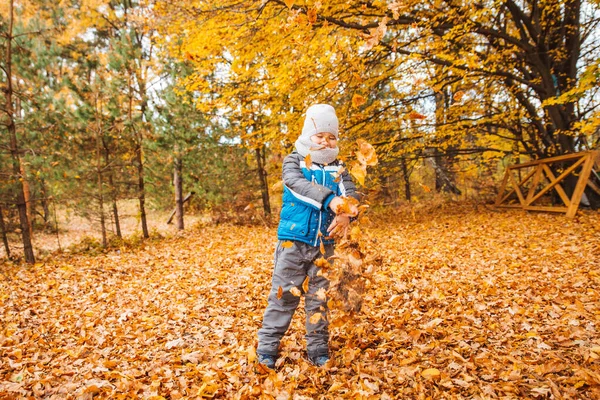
339	226
343	206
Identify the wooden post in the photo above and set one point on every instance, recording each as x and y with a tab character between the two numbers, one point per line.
580	186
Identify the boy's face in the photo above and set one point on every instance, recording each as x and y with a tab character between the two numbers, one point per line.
324	139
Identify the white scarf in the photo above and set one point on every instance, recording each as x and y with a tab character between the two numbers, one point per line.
318	154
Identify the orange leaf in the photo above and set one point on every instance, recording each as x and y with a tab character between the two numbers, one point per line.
305	284
322	263
366	154
279	292
416	115
458	95
312	15
308	161
295	291
287	244
358	100
337	176
425	187
289	3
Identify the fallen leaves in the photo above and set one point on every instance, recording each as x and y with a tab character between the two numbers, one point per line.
502	305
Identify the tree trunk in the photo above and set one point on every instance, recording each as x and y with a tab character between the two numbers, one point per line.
444	179
26	187
139	137
14	147
3	232
100	182
262	176
113	189
406	177
178	183
45	202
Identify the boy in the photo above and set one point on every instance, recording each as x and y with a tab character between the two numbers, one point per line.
311	196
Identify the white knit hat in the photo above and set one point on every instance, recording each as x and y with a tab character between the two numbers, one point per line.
320	118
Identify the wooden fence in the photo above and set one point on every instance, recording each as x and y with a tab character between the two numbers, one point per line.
525	184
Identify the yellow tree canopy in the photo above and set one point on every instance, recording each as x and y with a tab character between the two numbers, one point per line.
469	77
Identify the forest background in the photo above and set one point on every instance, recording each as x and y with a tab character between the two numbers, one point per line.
107	104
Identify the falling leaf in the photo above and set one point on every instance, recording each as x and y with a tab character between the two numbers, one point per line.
347	205
458	96
279	292
425	187
337	176
287	244
289	3
277	186
359	172
308	161
358	100
366	153
295	291
322	263
305	284
321	246
416	115
321	294
315	318
312	15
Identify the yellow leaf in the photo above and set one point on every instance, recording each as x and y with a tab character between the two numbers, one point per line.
295	291
305	284
287	244
430	373
359	172
322	247
289	3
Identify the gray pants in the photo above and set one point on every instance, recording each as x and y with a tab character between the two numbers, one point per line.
292	265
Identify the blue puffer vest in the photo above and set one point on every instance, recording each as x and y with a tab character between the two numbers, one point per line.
306	196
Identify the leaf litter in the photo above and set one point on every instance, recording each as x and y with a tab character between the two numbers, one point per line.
454	303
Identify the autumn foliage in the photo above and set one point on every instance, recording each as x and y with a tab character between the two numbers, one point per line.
463	303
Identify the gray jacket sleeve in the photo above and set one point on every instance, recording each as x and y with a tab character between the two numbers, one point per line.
305	191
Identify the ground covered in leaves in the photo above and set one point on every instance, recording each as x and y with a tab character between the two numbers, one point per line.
465	303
